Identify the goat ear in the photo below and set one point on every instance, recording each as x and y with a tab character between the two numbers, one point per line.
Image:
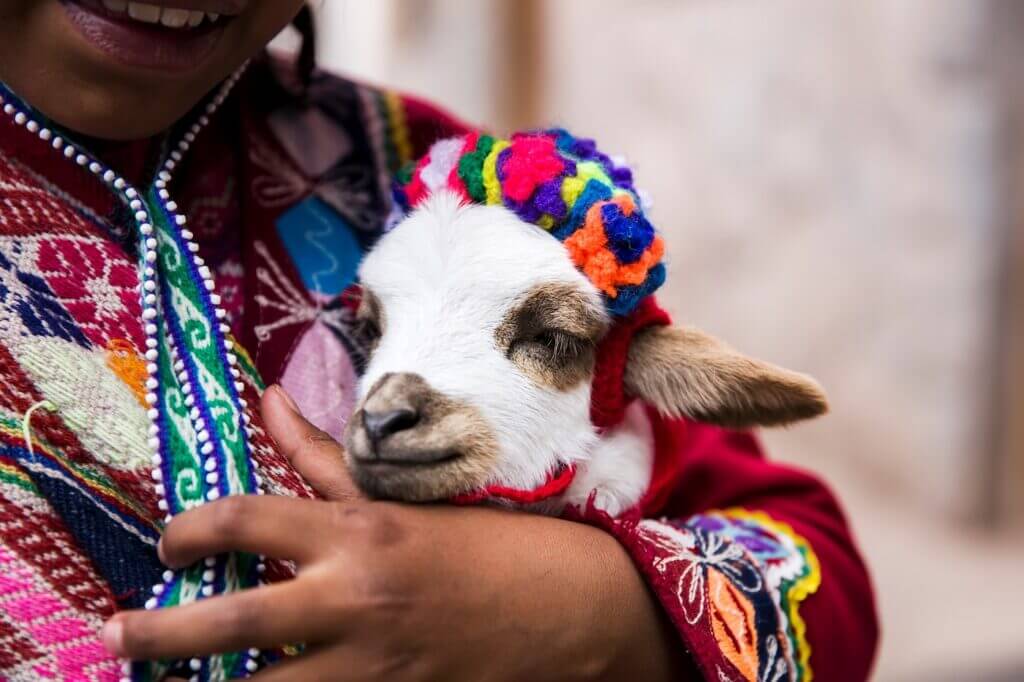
686	372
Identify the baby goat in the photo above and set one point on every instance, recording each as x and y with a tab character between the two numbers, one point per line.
485	329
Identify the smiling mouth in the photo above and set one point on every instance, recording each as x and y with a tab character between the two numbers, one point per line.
154	15
140	34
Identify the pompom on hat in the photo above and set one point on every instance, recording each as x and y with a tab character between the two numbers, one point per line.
562	184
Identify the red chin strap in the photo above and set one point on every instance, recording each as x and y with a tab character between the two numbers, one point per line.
608	397
608	403
557	482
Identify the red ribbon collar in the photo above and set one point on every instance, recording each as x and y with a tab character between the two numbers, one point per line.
557	482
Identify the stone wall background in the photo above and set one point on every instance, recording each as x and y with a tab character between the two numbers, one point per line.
826	175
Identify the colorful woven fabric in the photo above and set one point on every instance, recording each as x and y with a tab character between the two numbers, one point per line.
563	184
118	363
79	507
197	429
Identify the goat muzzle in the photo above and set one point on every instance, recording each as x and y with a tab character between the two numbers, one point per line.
410	442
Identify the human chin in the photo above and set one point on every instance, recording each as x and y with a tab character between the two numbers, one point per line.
122	70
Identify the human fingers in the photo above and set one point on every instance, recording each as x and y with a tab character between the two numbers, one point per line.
274	526
315	455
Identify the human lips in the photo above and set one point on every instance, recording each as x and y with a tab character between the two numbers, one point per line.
174	36
182	15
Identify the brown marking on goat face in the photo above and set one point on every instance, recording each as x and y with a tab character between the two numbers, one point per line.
370	318
451	449
687	372
552	332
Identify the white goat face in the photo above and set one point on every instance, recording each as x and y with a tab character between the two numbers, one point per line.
483	367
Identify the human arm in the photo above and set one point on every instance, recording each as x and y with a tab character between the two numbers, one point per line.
416	592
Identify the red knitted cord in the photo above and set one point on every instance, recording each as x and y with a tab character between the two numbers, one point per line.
556	484
608	400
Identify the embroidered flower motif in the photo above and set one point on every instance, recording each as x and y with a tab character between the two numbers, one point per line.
742	576
700	556
211	211
95	283
791	571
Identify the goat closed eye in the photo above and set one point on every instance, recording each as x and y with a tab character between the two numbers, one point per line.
553	357
559	345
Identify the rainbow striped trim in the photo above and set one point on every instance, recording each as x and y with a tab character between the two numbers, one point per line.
791	568
92	482
386	115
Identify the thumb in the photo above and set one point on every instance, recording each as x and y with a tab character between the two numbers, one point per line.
315	455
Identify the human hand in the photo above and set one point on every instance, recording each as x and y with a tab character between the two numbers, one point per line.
405	592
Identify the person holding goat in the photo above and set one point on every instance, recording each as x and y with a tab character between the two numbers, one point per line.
181	220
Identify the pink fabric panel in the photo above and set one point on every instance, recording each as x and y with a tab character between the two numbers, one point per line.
321	379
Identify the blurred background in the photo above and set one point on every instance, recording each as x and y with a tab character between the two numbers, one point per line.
839	186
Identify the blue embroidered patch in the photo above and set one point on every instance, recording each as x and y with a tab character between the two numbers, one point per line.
322	245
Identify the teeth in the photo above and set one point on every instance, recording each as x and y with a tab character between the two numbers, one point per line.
141	11
174	18
170	17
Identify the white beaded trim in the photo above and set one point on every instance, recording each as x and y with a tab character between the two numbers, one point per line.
148	290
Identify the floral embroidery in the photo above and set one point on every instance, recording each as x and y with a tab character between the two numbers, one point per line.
743	576
71	331
286	304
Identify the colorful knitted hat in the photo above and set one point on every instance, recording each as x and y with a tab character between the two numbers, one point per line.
563	184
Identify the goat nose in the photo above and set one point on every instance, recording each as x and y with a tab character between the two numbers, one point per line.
380	425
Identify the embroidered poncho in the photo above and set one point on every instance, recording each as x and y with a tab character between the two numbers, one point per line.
279	192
